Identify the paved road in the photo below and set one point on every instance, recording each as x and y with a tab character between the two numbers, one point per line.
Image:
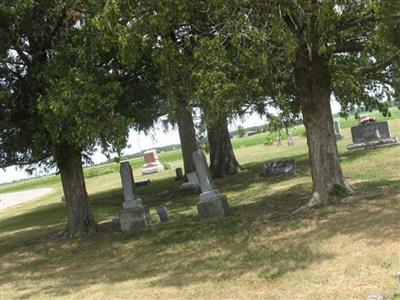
11	199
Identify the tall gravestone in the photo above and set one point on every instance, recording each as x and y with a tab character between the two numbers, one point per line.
134	215
212	205
371	135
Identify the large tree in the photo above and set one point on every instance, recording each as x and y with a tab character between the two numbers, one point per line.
223	161
63	95
304	52
345	48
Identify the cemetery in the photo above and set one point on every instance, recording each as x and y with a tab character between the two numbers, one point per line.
199	150
290	244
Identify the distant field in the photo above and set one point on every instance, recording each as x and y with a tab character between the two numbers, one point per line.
173	156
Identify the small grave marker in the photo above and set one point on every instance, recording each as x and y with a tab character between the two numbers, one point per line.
179	174
163	214
280	168
338	132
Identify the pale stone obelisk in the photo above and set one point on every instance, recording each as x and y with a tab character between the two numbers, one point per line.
212	205
134	215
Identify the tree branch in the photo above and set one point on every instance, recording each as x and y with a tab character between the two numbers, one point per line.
364	20
378	66
348	46
14	39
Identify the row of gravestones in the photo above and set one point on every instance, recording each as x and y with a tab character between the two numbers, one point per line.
212	205
135	215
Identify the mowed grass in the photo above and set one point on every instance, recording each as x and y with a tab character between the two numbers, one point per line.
262	251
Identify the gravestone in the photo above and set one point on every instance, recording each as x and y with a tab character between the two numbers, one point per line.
151	163
280	168
179	174
163	214
134	215
212	205
338	132
192	182
371	135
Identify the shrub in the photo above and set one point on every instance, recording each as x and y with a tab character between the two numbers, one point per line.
338	191
241	131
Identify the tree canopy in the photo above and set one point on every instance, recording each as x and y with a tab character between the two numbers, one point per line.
64	93
61	84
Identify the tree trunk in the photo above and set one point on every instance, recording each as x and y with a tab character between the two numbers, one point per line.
313	84
187	135
222	158
80	218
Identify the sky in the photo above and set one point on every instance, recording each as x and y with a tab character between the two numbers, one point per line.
139	141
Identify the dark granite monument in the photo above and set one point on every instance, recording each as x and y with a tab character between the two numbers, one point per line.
371	135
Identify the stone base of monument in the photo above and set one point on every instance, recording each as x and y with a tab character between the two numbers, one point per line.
153	169
212	206
134	219
373	144
192	182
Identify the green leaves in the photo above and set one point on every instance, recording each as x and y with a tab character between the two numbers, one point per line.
74	91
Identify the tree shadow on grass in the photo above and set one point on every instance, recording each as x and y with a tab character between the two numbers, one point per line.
255	239
263	238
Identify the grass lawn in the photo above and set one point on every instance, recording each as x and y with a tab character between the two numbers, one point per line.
261	251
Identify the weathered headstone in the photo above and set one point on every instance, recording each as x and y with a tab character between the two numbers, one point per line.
338	132
192	182
212	205
151	163
163	214
280	168
371	135
134	215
